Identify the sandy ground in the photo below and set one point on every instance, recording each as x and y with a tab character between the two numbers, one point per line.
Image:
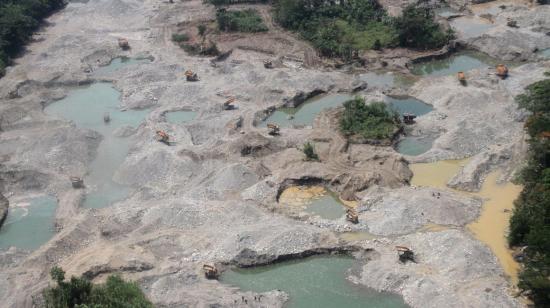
212	197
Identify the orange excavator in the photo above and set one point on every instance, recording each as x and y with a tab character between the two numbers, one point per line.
210	271
502	71
405	254
163	137
273	129
228	104
191	76
461	78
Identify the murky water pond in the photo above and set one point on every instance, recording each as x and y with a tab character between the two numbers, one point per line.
118	63
86	107
409	105
306	112
492	225
315	282
545	53
29	224
471	26
179	117
385	80
315	200
462	61
414	145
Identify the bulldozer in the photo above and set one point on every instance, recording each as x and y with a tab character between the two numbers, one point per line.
273	129
405	254
462	78
502	71
191	76
77	182
123	43
163	137
351	216
268	64
228	104
210	271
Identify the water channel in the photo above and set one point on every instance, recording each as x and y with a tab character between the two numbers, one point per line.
315	282
30	223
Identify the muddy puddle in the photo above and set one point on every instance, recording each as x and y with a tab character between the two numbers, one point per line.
118	63
306	112
312	282
471	26
491	227
86	107
315	200
30	223
462	61
179	117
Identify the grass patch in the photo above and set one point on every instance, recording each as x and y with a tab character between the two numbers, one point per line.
373	121
240	21
180	37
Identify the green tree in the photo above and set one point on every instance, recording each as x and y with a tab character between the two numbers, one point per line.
81	293
373	121
417	29
309	151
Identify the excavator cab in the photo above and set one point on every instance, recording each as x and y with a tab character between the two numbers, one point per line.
273	129
191	76
502	71
228	104
405	254
210	271
351	216
461	78
163	137
77	182
123	43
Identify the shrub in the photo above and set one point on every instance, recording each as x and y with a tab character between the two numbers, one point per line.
79	292
241	21
309	151
180	37
373	121
530	221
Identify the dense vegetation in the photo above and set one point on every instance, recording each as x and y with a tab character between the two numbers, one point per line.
344	28
241	21
309	151
18	20
530	222
373	121
81	293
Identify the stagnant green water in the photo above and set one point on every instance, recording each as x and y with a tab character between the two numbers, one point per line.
459	62
414	146
306	112
409	105
545	53
384	80
316	282
29	224
86	107
327	206
178	117
118	63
